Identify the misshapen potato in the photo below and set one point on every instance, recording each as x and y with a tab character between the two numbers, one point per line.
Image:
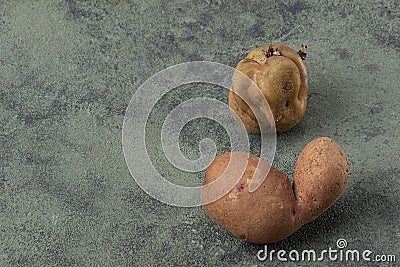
282	79
273	211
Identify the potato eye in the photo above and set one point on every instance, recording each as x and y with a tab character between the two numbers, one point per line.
303	52
272	52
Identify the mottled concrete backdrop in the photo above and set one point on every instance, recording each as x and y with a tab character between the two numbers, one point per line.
68	70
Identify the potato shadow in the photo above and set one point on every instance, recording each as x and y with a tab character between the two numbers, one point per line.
327	98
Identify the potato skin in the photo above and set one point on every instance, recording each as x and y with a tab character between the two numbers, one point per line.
263	216
282	80
273	211
320	177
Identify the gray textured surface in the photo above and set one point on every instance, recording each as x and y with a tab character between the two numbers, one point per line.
69	68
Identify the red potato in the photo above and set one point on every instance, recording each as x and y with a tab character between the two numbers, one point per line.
274	211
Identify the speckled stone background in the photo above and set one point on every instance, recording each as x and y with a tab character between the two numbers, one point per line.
68	70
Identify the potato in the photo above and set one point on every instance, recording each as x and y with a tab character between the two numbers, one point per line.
320	177
283	82
273	211
263	215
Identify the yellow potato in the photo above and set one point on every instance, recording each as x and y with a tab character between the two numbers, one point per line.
273	211
283	81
